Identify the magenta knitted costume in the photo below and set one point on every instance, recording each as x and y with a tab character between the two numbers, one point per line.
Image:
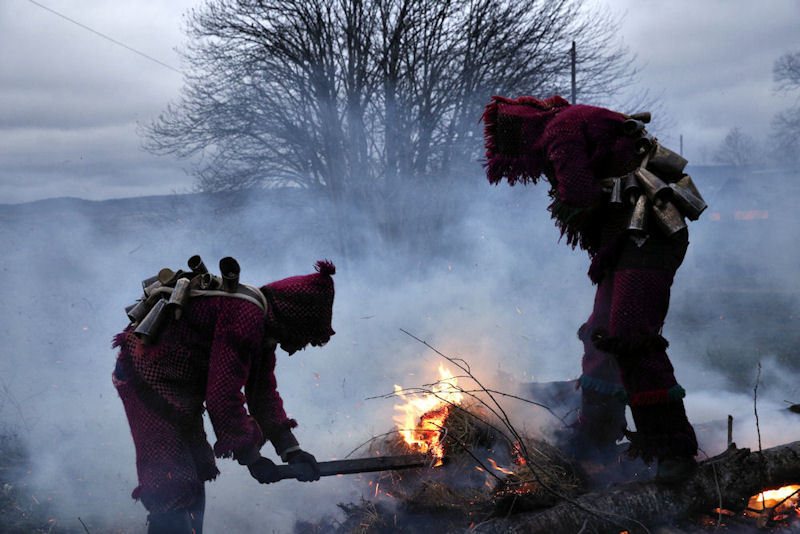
575	147
220	346
639	283
300	308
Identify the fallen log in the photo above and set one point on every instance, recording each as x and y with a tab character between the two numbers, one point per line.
725	481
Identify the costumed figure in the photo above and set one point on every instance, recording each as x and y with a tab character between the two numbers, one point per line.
198	338
621	196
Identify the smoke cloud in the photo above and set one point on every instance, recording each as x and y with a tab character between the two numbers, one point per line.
495	288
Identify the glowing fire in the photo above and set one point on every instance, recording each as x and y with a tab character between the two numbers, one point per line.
421	419
771	498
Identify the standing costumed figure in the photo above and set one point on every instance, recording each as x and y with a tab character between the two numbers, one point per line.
197	339
622	197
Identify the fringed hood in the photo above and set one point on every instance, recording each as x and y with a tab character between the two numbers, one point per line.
515	147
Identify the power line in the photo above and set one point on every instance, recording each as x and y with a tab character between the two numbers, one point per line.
104	36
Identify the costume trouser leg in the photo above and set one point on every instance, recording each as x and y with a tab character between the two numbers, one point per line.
174	522
638	310
181	521
642	279
197	513
601	421
173	459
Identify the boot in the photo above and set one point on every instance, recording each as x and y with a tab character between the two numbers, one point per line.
600	425
663	433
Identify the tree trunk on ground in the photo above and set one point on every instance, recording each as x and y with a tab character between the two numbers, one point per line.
725	481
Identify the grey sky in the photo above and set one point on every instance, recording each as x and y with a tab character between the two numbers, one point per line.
711	62
70	100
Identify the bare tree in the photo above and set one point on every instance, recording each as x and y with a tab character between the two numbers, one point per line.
737	149
785	139
786	72
375	102
354	95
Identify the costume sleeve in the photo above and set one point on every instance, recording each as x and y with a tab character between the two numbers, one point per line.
237	336
265	402
568	154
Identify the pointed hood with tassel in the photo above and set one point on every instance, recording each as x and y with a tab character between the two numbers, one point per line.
300	308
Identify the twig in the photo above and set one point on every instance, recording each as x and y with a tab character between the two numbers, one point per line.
583	528
448	402
370	440
506	423
404	391
84	526
465	411
502	415
395	431
755	404
758	430
466	449
509	395
499	412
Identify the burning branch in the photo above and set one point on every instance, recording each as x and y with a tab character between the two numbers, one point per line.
541	493
516	439
495	408
434	407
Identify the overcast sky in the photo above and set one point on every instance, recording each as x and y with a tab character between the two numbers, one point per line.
70	100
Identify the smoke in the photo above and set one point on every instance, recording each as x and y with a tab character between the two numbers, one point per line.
494	288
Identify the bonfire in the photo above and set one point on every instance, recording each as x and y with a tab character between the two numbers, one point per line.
477	469
482	469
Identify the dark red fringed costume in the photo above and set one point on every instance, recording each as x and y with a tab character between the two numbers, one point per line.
219	346
575	147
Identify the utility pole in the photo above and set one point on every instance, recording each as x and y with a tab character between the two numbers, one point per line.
574	85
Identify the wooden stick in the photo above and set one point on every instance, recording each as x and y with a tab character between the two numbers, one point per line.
359	465
730	430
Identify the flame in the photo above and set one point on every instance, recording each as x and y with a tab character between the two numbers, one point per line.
771	498
421	419
501	469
